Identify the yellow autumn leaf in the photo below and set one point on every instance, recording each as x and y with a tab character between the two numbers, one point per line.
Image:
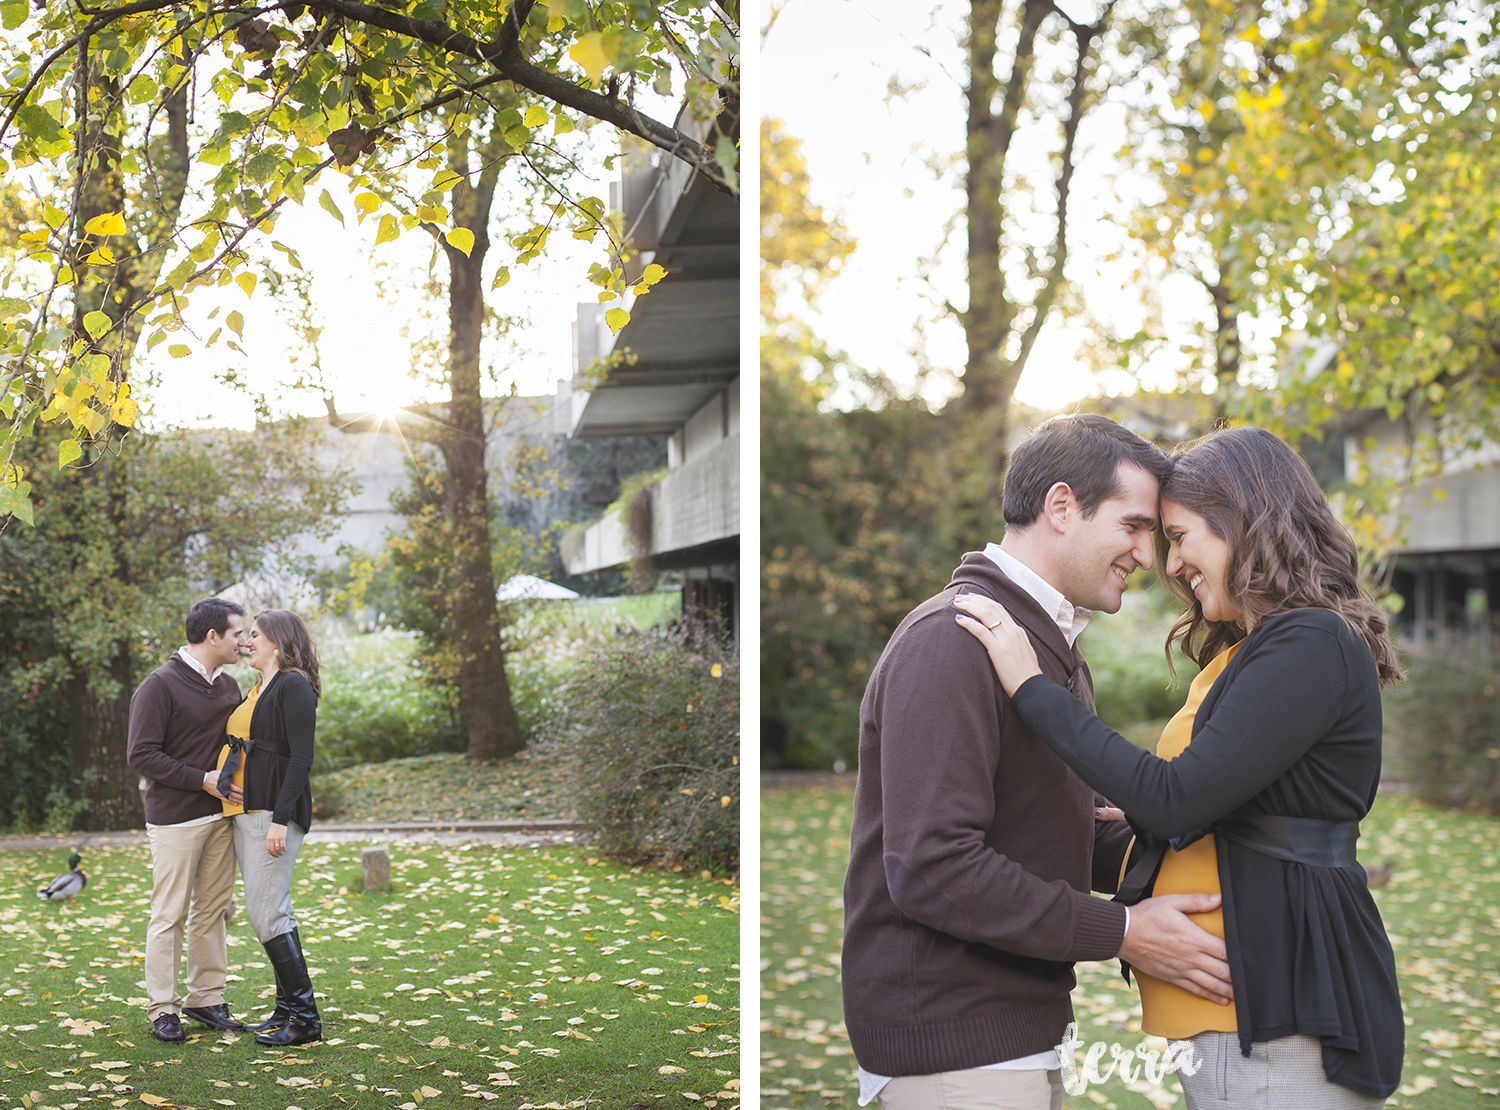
90	418
67	451
246	282
616	318
430	1092
589	53
717	670
700	998
108	223
652	274
101	257
94	367
389	229
96	324
155	1100
561	124
179	350
123	410
54	216
460	238
536	116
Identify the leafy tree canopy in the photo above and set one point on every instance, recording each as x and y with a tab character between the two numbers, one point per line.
1324	171
200	120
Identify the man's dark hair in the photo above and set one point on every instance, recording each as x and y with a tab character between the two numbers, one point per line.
1084	450
210	615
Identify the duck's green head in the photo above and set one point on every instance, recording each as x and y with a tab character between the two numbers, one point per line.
74	860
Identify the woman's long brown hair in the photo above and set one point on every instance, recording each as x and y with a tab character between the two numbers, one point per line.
1287	550
290	636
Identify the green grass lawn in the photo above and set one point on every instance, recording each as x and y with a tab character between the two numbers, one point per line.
443	787
519	977
1442	908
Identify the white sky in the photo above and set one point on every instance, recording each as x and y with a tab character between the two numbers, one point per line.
365	358
826	66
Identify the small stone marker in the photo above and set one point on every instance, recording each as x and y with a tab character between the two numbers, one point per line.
376	863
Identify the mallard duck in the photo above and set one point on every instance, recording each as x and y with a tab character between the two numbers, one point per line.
62	888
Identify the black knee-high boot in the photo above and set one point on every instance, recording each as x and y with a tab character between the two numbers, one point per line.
303	1024
280	1014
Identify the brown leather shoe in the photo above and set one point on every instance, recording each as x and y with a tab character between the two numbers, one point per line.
167	1027
217	1017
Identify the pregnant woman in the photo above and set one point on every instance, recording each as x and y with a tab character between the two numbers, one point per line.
1259	782
271	741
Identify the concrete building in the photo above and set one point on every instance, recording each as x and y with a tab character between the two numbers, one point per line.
538	476
676	374
1447	569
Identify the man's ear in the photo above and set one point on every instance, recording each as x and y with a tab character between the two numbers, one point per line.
1060	507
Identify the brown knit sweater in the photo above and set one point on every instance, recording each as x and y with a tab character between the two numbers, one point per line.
176	729
972	852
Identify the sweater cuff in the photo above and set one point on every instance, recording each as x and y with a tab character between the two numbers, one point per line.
1101	929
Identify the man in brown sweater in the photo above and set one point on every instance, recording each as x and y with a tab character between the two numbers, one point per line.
974	848
177	719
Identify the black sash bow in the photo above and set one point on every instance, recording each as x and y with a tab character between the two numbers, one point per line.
238	750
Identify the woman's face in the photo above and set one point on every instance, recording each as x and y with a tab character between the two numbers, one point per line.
262	650
1200	558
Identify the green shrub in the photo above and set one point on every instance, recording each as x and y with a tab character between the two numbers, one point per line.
34	764
375	706
1442	725
1132	682
649	729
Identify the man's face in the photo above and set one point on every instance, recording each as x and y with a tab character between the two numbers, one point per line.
1101	550
226	648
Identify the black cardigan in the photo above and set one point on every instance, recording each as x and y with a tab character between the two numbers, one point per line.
1292	727
276	773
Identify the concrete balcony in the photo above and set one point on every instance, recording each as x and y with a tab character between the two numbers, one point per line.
695	519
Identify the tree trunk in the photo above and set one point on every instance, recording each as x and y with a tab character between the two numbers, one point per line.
97	728
989	378
483	689
99	721
997	355
1226	333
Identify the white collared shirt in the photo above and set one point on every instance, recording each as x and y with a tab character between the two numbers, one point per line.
1071	620
192	661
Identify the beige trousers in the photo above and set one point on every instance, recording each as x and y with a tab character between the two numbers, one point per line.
975	1089
192	869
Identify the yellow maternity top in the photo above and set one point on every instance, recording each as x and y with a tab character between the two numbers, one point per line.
1167	1010
239	728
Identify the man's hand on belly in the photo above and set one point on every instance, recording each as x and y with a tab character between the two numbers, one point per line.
1164	943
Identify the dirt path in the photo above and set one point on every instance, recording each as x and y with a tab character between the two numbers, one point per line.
521	834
